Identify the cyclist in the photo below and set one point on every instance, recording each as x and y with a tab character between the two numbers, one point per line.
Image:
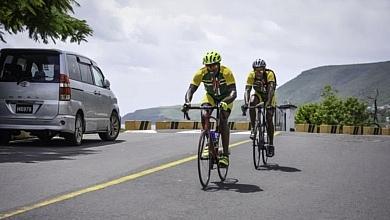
220	87
263	81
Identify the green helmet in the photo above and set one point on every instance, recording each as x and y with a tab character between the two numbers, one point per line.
211	57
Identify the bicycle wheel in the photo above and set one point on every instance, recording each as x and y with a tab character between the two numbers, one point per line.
256	149
222	171
203	161
263	143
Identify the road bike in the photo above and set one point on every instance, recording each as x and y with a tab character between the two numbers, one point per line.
211	139
261	139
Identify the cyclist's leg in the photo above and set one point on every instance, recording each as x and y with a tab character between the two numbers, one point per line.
206	101
270	122
270	127
225	135
224	128
254	100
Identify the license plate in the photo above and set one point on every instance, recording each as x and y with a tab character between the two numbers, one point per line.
25	109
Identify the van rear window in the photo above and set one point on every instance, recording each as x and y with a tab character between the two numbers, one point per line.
29	66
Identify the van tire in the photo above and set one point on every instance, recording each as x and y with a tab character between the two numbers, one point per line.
76	138
46	137
5	137
113	128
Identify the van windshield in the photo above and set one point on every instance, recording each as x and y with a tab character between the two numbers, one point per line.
32	66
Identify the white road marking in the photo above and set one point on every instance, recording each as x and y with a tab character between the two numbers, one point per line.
141	131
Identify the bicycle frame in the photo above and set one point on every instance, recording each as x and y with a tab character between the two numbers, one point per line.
260	115
207	129
261	120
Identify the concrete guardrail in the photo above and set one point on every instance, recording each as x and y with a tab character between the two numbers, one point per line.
338	129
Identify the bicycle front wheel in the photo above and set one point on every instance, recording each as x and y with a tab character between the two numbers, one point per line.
204	159
264	144
222	171
256	150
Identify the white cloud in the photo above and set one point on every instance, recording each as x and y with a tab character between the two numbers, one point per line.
150	49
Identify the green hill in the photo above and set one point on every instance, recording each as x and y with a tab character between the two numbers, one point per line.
359	80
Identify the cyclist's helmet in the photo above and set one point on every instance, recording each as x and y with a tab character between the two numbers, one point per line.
211	57
259	63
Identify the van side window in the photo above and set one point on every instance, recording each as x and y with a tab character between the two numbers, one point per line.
97	76
86	74
73	67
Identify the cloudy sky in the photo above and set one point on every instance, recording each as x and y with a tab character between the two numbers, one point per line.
150	49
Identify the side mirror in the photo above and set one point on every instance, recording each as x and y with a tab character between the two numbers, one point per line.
106	84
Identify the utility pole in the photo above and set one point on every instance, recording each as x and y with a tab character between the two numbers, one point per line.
375	107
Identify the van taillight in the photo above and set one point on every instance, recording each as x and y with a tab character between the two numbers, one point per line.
65	89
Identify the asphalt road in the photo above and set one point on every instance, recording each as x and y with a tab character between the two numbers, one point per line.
312	176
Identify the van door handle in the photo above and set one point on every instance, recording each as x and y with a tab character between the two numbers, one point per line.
96	92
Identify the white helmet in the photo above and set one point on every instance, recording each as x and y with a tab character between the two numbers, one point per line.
259	63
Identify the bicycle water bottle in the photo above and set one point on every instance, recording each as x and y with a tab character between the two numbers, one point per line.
214	136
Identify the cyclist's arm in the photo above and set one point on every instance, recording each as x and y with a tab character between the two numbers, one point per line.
190	92
249	84
232	94
247	94
271	91
196	80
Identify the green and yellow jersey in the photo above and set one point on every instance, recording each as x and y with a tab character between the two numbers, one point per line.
260	83
218	90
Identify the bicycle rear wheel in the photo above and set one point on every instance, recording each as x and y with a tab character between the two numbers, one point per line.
204	165
256	150
222	171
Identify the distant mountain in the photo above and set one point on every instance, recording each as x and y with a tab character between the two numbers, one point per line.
173	113
359	80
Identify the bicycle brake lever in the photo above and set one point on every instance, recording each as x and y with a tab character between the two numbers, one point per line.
186	116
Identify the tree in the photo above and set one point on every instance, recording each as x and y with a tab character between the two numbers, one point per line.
308	113
44	19
355	112
332	110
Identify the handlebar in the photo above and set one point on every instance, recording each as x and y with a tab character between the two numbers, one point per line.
260	105
206	107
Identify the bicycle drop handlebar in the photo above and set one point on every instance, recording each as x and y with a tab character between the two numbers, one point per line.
260	105
206	107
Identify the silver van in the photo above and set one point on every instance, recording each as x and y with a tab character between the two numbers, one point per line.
50	92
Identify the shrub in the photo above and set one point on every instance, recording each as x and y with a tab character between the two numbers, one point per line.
333	110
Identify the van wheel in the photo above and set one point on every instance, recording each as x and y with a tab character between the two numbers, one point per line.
76	137
113	128
5	137
46	136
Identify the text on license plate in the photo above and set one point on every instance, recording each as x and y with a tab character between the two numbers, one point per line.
24	109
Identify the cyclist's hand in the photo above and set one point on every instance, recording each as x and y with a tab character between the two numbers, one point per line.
244	107
185	107
224	106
